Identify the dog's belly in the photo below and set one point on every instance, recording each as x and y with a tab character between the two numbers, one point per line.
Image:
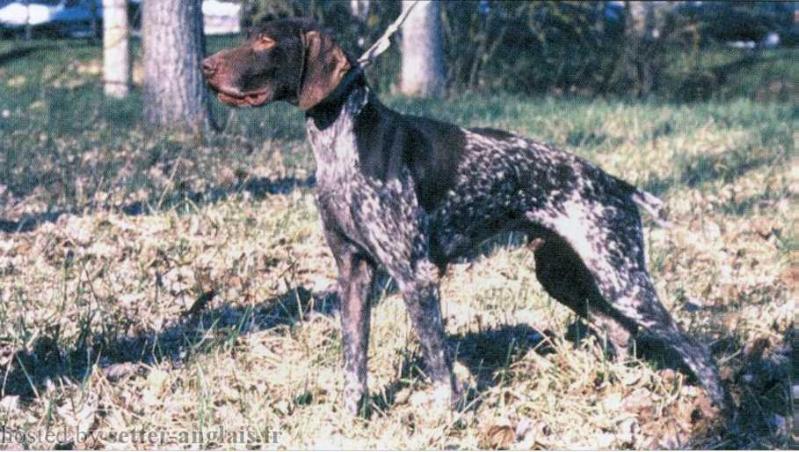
461	222
494	193
503	185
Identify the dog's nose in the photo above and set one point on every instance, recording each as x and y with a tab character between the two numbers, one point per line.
209	67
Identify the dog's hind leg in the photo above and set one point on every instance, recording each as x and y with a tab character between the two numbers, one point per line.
638	302
565	278
419	285
611	248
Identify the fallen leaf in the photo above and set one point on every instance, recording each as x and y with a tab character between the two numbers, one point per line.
9	404
497	436
402	396
118	371
80	416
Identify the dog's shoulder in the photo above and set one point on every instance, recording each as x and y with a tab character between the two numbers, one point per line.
390	142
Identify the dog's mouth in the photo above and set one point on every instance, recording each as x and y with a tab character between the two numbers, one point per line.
239	99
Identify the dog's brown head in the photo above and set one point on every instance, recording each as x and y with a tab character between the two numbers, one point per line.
289	59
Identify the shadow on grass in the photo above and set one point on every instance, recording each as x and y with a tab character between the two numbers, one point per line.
258	188
488	354
22	52
693	171
760	383
759	380
760	202
41	364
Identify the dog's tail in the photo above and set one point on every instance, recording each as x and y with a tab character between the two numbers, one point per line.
646	201
652	205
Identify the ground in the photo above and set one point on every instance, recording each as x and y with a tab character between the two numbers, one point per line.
158	289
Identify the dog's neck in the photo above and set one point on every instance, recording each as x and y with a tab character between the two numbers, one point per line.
328	110
331	125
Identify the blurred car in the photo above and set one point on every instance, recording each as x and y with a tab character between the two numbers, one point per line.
221	18
83	18
745	24
72	18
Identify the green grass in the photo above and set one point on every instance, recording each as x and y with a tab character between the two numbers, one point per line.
149	282
726	73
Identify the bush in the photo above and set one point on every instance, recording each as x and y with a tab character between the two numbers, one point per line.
554	47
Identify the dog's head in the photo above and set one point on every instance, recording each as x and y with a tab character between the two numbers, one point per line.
289	59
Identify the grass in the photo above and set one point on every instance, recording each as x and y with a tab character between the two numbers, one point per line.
150	283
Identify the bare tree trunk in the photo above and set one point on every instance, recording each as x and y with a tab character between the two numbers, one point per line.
94	23
174	91
644	26
28	27
116	50
360	9
639	18
422	53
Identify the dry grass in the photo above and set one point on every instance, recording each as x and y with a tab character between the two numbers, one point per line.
154	285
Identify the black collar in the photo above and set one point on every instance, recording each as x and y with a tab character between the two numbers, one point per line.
326	111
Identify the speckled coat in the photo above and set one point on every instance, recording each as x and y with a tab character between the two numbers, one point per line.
412	194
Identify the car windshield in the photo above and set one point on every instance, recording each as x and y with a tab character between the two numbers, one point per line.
4	3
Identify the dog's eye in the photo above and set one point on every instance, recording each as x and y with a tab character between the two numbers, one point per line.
264	43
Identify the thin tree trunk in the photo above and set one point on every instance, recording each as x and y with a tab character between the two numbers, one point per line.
644	23
422	53
28	27
94	24
116	50
360	9
174	91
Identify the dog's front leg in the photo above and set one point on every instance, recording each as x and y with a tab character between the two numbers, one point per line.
355	284
399	235
356	275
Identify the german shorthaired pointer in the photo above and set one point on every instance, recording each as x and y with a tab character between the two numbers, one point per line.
411	194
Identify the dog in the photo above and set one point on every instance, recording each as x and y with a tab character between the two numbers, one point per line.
410	194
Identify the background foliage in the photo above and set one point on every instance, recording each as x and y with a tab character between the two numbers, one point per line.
159	282
588	48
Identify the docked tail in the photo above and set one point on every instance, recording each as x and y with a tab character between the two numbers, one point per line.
652	204
645	200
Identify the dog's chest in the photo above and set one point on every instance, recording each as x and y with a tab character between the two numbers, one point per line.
337	176
343	192
369	211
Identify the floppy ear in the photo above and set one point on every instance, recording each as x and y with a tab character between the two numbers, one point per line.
324	66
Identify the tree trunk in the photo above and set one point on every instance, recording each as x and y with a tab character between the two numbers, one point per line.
360	9
174	90
94	22
645	24
422	53
638	18
28	27
116	51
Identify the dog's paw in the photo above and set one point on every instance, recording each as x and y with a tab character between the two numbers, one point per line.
357	404
438	400
434	402
464	378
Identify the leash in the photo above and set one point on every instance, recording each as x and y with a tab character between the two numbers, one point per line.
382	44
368	57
